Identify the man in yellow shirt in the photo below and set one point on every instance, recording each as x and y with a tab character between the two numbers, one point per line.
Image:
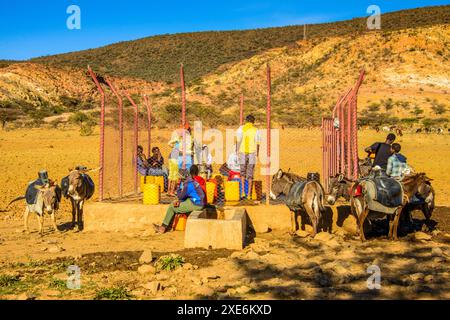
249	141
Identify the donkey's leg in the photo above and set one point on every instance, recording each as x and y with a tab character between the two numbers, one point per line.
26	215
309	210
53	215
74	208
41	223
391	225
398	213
80	215
293	222
361	221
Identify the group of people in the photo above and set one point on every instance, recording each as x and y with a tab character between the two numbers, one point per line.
189	165
388	157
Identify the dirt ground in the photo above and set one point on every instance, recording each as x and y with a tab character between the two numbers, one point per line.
274	265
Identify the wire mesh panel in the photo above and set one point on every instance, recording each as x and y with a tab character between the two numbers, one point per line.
111	166
340	138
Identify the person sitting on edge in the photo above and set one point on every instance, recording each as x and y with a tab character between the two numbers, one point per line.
142	163
173	170
202	182
190	198
156	166
156	161
396	163
249	140
382	151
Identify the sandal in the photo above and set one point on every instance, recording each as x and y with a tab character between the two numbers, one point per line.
156	228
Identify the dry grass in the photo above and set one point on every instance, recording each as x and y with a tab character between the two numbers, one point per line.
25	152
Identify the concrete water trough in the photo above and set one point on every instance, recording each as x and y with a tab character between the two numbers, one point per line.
216	230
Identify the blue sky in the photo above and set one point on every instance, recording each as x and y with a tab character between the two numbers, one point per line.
34	28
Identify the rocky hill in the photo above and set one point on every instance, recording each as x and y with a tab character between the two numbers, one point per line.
407	73
157	58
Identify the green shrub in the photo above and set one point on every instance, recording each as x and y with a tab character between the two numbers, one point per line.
115	293
57	284
86	130
170	262
8	281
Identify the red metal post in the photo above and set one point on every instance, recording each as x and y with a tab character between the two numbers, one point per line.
148	105
241	113
120	105
323	153
349	139
269	142
183	113
342	138
102	135
136	140
355	125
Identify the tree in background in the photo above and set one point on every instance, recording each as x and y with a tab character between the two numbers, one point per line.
8	113
439	108
85	121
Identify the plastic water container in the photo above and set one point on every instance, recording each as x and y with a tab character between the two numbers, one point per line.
179	223
159	181
210	191
232	191
152	194
146	180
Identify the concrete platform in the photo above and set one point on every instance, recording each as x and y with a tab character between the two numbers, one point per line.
224	231
132	215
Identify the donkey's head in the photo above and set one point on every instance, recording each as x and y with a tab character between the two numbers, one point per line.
417	183
281	184
48	195
76	179
339	187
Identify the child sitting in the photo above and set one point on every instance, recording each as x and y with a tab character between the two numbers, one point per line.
397	165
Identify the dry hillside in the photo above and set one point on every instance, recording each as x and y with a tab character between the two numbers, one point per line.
407	81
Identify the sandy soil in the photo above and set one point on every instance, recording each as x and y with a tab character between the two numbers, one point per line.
273	265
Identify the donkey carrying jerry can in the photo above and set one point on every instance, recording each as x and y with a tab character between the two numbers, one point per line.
302	196
42	196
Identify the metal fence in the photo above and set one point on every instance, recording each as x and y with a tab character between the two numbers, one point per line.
126	122
340	137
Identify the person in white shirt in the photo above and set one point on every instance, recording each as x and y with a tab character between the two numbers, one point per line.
233	163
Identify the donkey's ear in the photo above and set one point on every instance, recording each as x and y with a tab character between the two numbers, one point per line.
280	174
341	177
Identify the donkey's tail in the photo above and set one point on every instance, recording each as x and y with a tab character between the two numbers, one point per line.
15	200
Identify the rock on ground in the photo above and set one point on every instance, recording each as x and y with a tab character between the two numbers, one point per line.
422	236
146	269
302	234
146	257
153	287
323	236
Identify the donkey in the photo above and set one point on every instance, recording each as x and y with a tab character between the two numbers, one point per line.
339	188
426	193
47	201
79	187
361	210
311	197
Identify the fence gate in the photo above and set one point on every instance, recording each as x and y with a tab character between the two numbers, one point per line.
340	138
